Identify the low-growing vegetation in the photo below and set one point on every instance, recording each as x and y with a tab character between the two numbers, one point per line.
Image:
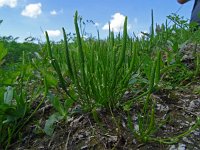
122	92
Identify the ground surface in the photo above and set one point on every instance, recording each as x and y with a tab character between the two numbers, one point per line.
179	107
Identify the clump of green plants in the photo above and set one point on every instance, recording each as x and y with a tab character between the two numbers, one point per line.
93	74
16	102
99	71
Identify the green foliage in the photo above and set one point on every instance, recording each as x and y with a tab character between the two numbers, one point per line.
62	113
14	50
15	105
49	125
94	74
3	52
13	110
99	70
146	119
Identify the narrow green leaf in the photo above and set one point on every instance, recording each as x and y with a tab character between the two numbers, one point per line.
67	54
152	77
3	51
123	50
48	46
80	48
157	73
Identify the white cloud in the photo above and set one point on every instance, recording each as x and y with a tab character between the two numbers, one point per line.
96	24
54	33
116	23
32	10
53	12
56	12
9	3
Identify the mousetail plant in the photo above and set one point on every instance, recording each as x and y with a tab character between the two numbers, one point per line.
98	70
56	67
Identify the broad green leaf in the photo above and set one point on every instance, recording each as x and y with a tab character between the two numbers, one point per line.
8	95
49	125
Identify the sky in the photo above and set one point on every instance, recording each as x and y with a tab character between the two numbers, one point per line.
24	18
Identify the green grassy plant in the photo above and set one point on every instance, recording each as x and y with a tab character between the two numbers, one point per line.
94	74
99	71
197	71
62	113
3	52
155	71
15	106
146	119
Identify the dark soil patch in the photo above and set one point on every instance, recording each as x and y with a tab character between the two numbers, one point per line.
178	108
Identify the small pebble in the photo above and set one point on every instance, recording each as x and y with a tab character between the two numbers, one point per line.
173	147
185	139
194	104
196	133
181	146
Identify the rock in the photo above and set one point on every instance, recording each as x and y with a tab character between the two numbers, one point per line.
188	50
162	108
188	53
181	146
195	104
136	127
197	133
172	147
185	139
112	139
134	141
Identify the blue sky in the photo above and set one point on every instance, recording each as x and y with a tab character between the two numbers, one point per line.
23	18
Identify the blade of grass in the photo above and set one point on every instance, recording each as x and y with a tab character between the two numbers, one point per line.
67	54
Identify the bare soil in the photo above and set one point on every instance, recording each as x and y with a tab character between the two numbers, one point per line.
178	108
